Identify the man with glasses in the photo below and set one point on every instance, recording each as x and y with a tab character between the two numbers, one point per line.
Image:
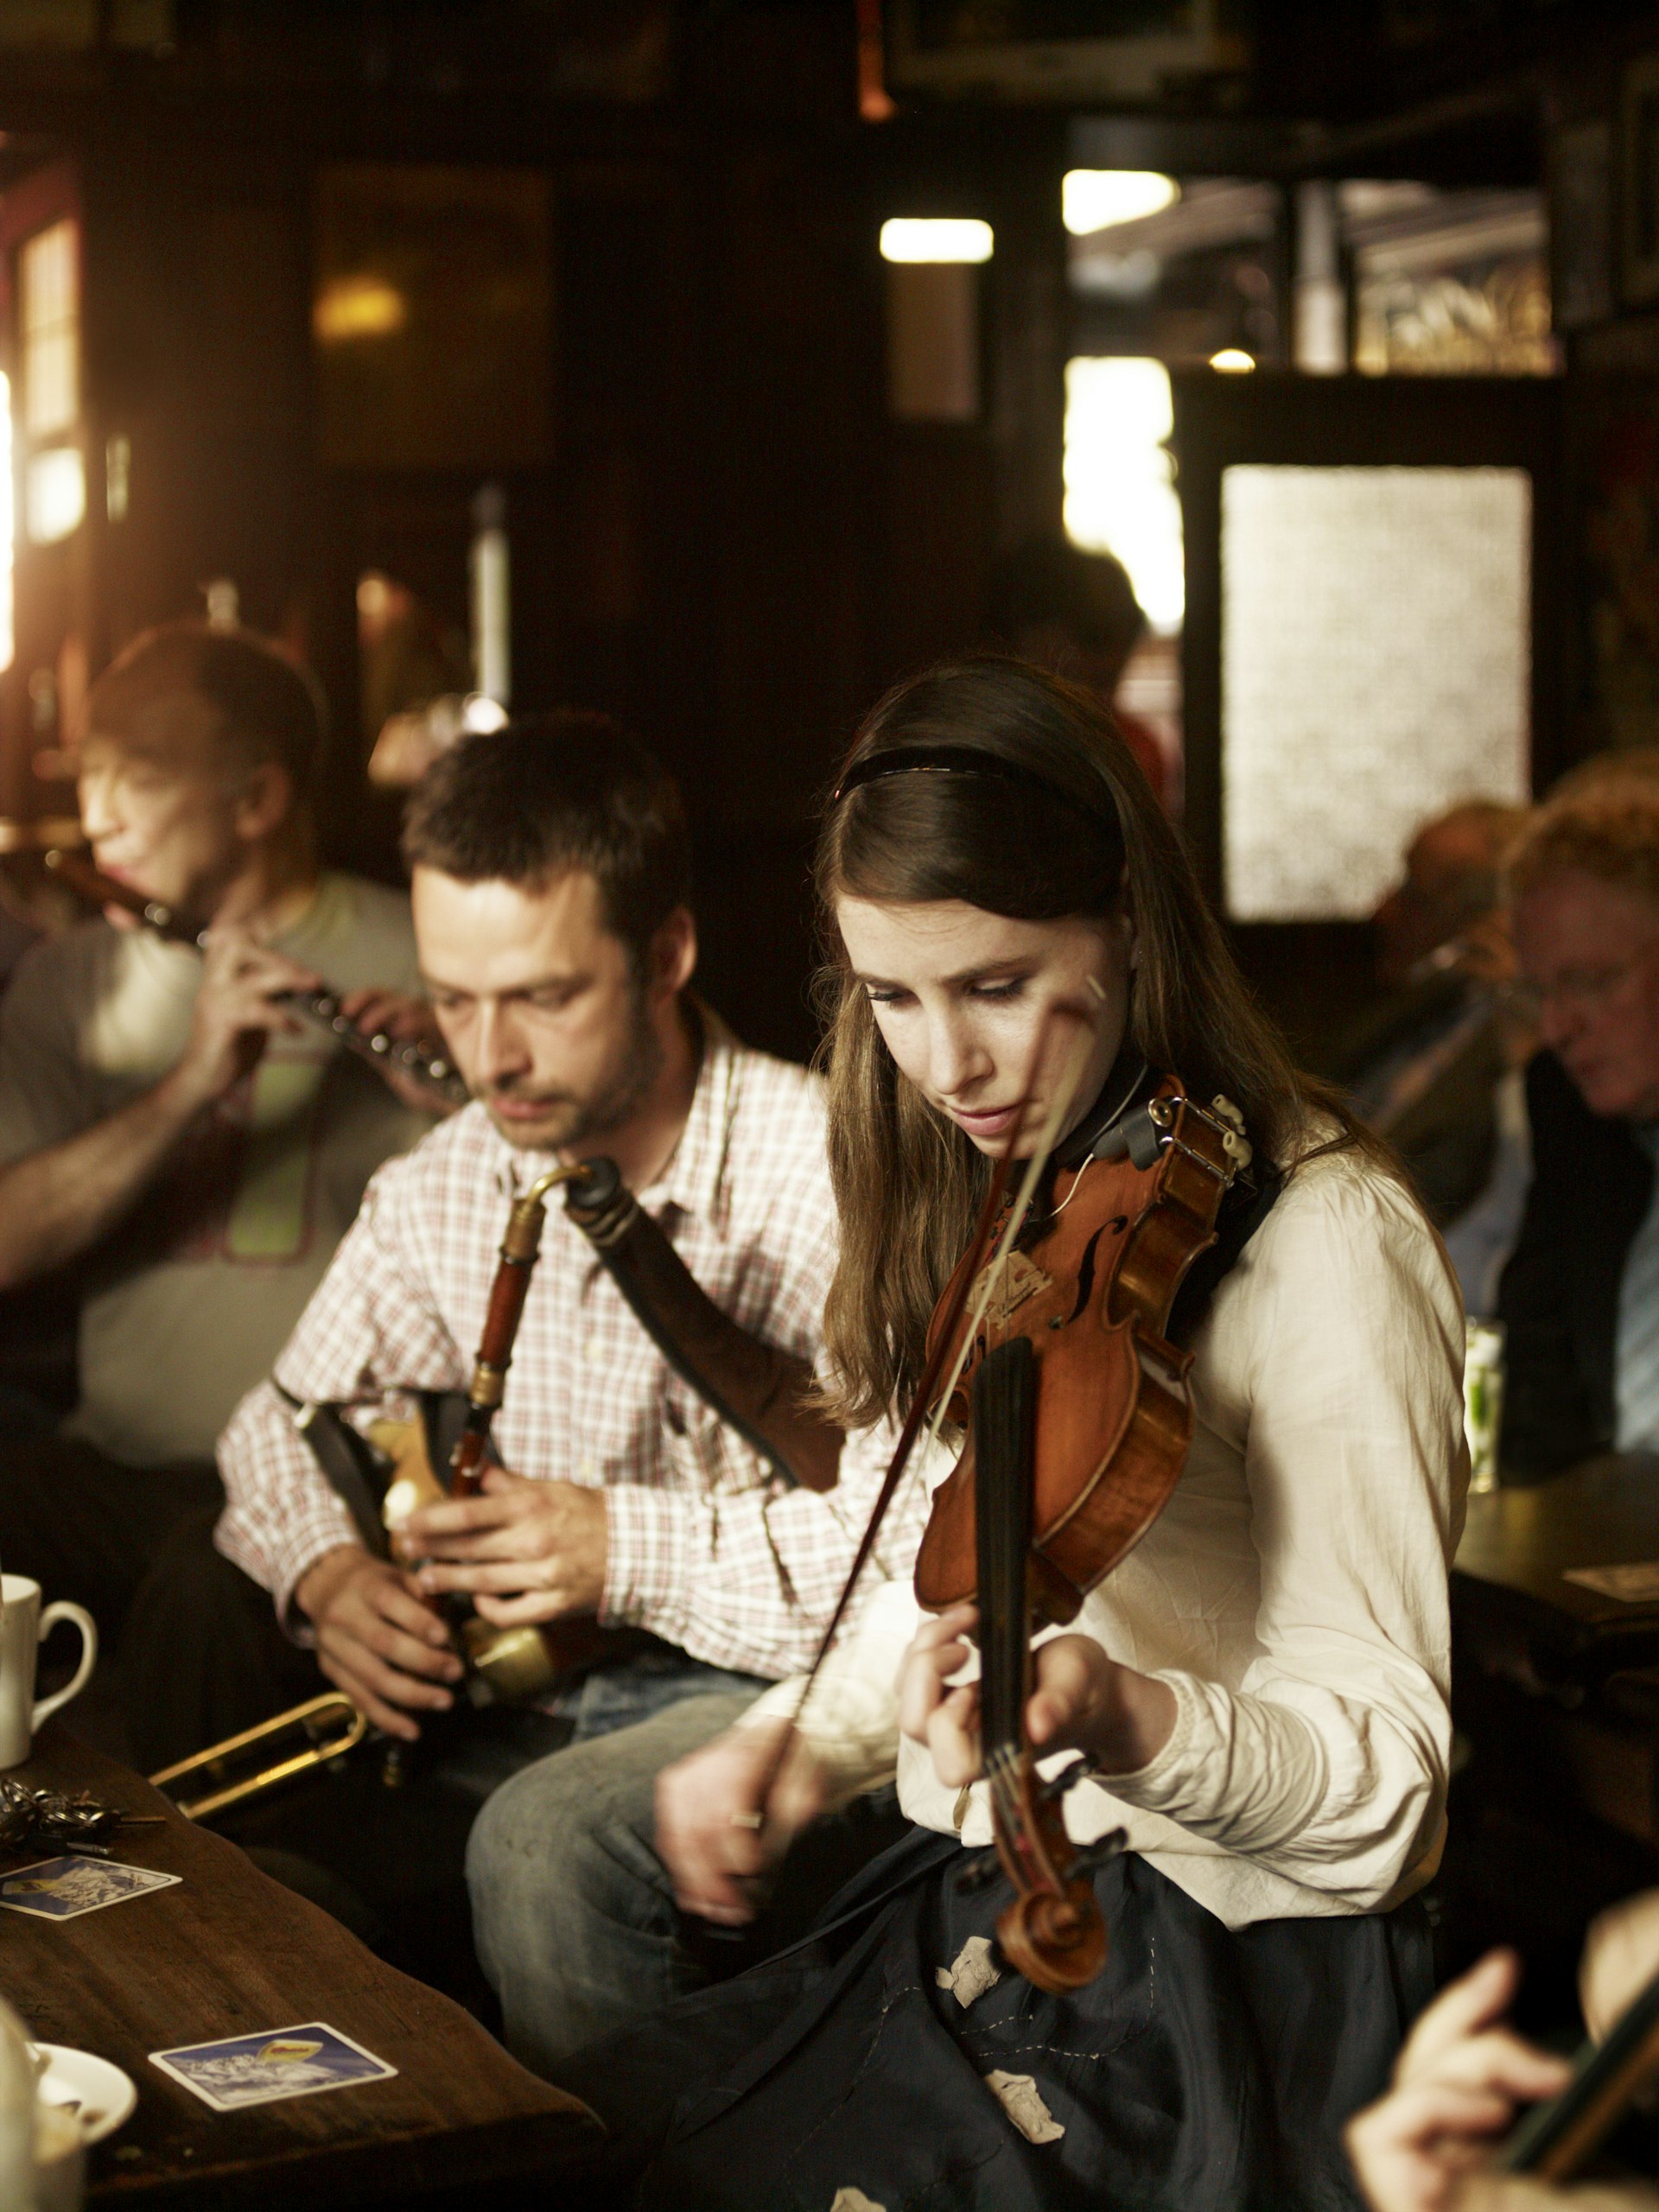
1581	1296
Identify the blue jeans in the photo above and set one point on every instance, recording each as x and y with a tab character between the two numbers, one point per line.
503	1740
573	1918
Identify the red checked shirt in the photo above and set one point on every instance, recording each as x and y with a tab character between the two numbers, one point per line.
706	1546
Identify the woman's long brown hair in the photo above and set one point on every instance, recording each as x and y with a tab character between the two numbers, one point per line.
908	1182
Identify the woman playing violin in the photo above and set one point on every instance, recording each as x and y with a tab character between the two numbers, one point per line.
1255	1695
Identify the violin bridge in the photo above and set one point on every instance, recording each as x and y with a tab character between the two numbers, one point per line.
1018	1278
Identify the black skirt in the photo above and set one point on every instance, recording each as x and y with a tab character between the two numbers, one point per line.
1204	2071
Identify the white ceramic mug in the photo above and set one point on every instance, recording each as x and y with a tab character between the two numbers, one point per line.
23	1625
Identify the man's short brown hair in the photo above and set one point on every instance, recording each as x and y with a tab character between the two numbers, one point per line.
1608	831
258	705
551	792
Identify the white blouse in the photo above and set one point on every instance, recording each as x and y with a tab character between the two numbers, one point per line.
1292	1593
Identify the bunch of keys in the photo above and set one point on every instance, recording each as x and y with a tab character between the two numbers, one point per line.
32	1819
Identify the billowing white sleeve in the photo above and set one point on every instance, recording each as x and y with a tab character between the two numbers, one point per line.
851	1719
1327	1763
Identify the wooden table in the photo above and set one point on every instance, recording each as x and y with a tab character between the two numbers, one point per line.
1516	1612
228	1952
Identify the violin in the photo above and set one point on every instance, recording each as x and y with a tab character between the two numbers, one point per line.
1078	1419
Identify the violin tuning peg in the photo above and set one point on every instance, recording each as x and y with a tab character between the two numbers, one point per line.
980	1869
1067	1779
1104	1848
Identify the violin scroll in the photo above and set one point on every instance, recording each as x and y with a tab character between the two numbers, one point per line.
1052	1930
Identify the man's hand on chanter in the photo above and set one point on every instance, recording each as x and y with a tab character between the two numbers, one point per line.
377	1639
715	1833
522	1551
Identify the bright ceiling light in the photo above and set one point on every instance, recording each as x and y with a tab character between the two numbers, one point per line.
1233	361
915	238
1093	200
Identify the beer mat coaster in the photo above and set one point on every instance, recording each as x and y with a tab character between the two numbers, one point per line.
62	1889
1636	1585
277	2063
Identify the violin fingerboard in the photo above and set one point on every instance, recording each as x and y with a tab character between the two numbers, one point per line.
1004	1423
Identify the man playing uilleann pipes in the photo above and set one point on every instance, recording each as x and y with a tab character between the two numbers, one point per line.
550	886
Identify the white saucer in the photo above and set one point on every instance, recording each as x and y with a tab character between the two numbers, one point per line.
102	2095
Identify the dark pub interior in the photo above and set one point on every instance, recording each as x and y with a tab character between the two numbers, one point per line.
762	762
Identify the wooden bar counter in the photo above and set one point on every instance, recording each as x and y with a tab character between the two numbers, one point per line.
228	1952
1516	1611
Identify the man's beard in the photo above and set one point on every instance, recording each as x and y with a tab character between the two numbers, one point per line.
572	1123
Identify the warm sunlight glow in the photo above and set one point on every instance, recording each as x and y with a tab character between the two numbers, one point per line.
1119	481
8	529
55	494
1093	200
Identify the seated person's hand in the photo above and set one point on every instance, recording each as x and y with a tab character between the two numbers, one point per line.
406	1021
1457	2086
714	1833
1621	1956
376	1639
522	1551
1080	1701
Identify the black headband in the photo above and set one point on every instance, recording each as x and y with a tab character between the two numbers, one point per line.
960	760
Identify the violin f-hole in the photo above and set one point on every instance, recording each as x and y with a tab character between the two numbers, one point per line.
1086	1273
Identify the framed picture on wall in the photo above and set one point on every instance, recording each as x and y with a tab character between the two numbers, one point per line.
432	316
1061	49
1639	182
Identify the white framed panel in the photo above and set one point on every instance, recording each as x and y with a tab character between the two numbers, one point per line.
1376	668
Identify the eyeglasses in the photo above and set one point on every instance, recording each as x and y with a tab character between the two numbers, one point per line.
1579	990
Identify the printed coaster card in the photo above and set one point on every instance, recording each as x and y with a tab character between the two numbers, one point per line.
257	2069
62	1889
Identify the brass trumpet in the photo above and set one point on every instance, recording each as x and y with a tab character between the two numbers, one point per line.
323	1729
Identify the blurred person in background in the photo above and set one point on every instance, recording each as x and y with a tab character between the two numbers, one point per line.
1460	2082
168	1126
1435	1067
1581	1296
1637	764
1076	614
